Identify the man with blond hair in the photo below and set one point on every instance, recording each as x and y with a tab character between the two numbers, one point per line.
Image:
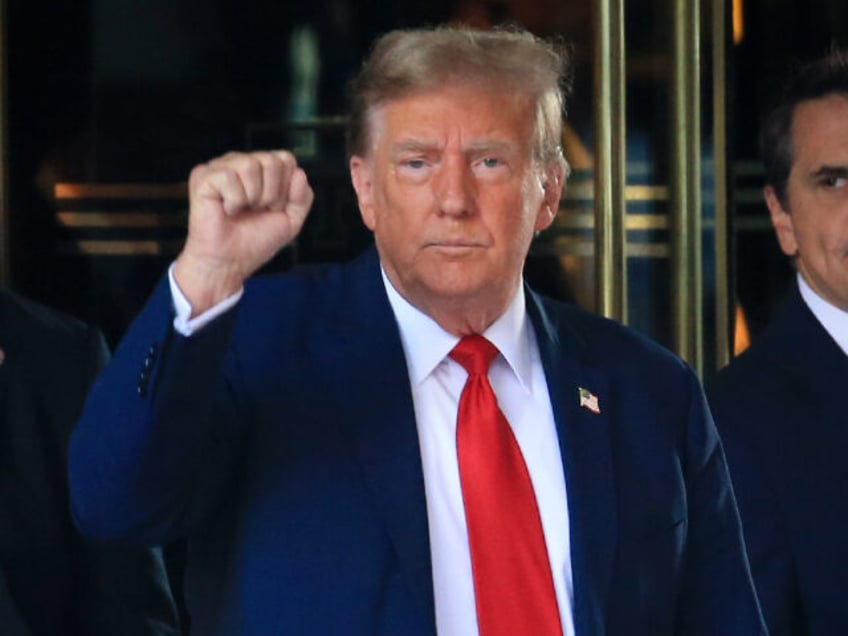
415	442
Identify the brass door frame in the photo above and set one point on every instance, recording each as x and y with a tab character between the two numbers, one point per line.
685	217
610	160
723	303
685	183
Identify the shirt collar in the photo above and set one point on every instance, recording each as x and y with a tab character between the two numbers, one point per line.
426	344
833	319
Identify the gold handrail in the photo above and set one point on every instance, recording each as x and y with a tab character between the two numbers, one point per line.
720	179
610	158
687	288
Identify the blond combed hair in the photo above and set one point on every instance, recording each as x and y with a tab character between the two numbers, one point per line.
406	62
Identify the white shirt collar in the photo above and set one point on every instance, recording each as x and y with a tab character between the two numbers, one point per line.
833	319
426	344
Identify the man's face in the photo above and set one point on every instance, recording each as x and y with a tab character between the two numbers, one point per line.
813	226
453	196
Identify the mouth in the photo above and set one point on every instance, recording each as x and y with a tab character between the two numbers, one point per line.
457	248
459	243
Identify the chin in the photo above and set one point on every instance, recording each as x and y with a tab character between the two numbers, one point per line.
460	289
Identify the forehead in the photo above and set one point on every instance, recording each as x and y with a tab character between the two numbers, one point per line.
820	131
466	111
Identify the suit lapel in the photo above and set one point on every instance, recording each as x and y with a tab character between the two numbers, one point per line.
816	369
585	446
377	416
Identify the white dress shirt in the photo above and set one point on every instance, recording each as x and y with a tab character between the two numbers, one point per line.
833	319
519	383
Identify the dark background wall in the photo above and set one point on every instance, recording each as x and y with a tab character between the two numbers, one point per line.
138	91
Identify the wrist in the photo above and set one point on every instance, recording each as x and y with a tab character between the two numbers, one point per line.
206	282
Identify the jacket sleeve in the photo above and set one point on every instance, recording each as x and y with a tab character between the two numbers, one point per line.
159	437
717	592
766	533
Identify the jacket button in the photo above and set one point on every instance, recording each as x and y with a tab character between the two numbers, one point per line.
144	376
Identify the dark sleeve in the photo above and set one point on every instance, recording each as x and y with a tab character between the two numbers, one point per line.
717	592
766	536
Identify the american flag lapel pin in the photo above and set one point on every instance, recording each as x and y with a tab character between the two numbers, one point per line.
589	400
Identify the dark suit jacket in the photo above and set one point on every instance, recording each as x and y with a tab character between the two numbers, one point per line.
56	582
782	411
282	440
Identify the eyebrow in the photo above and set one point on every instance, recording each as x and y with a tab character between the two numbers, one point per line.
414	145
490	146
830	171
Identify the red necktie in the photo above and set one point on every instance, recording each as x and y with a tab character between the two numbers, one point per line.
513	586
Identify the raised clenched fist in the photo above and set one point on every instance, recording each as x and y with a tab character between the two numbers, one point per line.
243	208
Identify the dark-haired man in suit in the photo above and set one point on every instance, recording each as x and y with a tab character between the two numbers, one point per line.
782	406
53	582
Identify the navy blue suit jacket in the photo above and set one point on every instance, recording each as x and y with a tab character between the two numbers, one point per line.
782	411
281	440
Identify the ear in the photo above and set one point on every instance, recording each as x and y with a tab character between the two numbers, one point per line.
552	182
361	176
781	219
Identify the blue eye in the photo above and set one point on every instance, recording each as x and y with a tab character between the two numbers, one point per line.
491	162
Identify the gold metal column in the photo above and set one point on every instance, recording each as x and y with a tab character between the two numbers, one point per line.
723	304
610	160
687	268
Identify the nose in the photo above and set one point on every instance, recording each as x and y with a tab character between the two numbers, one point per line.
454	187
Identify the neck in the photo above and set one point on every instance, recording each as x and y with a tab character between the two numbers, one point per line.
463	315
464	321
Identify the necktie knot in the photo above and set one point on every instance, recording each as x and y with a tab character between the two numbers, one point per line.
475	353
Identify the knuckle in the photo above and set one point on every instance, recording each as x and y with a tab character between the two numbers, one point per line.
198	173
265	158
286	157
